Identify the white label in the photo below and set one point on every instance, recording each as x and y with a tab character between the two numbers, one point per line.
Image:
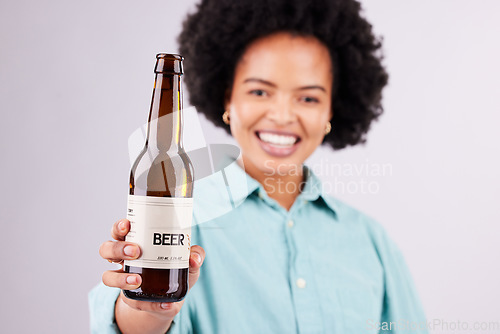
161	226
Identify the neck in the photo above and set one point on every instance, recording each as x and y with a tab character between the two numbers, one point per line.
282	187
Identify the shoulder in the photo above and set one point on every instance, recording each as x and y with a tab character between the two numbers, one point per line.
371	230
355	219
347	215
350	215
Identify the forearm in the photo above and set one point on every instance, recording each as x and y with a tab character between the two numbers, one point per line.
132	321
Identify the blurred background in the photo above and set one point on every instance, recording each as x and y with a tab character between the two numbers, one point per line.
76	81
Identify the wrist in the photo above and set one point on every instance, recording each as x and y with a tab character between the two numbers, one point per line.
140	319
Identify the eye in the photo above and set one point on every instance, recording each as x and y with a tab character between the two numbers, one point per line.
258	92
309	99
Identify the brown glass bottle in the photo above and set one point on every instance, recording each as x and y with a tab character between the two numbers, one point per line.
162	171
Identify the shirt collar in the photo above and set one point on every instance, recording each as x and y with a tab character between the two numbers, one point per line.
314	191
240	184
227	188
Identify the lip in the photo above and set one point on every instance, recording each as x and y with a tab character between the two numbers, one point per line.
277	151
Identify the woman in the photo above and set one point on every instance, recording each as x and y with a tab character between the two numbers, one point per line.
283	77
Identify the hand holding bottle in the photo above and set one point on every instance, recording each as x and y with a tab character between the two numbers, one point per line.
130	317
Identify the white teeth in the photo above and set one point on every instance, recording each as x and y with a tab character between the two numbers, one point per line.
281	140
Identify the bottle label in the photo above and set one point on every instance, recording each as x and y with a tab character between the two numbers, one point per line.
161	226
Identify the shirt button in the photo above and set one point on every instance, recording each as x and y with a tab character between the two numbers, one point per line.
260	194
301	283
290	223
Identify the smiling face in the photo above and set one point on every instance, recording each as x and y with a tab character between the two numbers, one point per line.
280	102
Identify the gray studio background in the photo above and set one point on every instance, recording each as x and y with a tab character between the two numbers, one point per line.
76	82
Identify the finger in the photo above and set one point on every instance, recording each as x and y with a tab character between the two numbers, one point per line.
119	279
195	262
120	229
168	310
119	250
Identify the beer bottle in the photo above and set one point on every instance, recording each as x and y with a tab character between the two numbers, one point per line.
160	198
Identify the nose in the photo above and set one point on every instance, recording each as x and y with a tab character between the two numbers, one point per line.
282	111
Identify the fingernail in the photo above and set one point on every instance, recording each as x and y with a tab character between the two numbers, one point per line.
122	226
165	306
129	250
197	257
131	280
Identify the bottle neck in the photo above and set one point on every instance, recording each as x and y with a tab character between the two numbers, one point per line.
165	117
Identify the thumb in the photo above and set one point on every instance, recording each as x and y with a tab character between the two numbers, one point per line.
195	261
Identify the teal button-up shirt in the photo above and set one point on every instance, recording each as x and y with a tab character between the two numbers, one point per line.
321	267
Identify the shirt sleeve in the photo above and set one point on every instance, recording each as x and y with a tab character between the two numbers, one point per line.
102	301
181	323
402	309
